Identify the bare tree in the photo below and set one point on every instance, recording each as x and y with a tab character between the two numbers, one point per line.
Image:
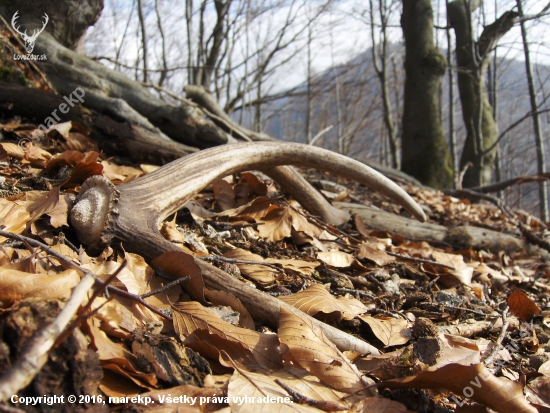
424	148
541	162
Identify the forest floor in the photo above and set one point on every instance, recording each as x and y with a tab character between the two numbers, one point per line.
457	330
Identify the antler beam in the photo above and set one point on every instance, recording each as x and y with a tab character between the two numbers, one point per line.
133	212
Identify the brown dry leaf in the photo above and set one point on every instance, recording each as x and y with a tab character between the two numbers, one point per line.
67	158
255	209
198	213
114	318
457	349
17	285
259	273
39	203
37	157
361	226
120	173
309	347
79	142
191	318
62	128
301	266
475	382
224	195
300	223
84	169
226	298
317	301
254	387
337	259
277	224
374	254
390	331
484	269
378	405
148	168
114	357
522	306
14	217
176	264
258	186
115	385
538	391
462	273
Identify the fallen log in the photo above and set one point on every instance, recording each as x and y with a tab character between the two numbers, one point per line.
112	93
112	136
460	237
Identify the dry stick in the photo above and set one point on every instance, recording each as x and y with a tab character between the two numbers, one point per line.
505	325
217	258
35	353
422	260
86	272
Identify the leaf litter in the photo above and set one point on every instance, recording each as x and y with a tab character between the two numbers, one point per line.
472	324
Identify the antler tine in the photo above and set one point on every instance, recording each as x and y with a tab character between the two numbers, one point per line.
163	192
132	212
13	22
183	178
36	32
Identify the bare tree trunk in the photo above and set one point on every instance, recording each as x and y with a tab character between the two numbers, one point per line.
424	148
541	161
452	130
381	68
309	113
473	59
161	32
189	25
143	39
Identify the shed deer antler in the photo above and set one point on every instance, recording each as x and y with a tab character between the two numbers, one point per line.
133	212
29	40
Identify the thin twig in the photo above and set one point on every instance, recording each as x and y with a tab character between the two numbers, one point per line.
498	343
356	292
64	259
35	353
422	260
166	287
454	307
217	258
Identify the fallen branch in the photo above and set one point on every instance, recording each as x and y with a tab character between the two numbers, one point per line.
36	351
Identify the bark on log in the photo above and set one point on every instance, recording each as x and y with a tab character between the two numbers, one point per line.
460	237
122	138
112	93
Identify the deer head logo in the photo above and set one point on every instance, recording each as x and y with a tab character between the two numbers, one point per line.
29	40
